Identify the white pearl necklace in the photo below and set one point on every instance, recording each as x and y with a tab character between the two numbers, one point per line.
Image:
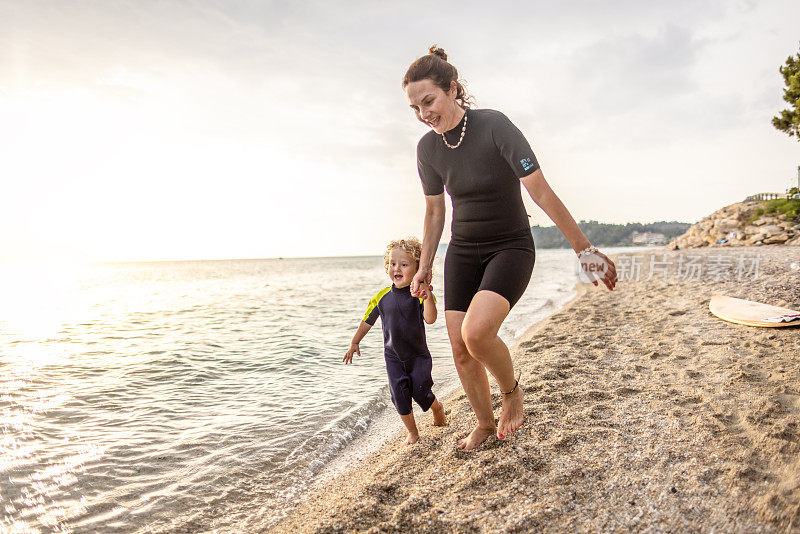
463	131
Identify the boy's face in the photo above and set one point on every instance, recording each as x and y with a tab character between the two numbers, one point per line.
401	268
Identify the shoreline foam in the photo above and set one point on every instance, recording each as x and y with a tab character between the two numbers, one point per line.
643	412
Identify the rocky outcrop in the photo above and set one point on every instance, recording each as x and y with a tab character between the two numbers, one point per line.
734	226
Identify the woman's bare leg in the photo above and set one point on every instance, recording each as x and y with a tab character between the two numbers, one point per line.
486	313
473	378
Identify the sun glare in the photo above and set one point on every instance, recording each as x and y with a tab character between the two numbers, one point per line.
37	299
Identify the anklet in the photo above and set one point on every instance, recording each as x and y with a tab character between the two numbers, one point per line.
516	383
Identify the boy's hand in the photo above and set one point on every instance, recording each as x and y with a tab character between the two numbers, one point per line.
425	291
348	357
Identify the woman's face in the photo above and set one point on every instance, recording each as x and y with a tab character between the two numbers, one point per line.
434	107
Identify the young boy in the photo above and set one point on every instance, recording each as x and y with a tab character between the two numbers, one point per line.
408	360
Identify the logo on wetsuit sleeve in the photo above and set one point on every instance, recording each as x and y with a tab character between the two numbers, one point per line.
526	163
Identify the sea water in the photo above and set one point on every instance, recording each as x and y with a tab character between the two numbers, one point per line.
201	395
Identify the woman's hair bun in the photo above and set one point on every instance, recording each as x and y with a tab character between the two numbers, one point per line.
436	51
439	71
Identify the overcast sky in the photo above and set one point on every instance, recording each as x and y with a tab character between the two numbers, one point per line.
215	129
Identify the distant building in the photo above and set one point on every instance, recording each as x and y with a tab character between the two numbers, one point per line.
648	238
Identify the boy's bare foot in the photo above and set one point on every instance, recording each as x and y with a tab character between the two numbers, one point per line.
411	428
476	437
439	419
411	439
511	414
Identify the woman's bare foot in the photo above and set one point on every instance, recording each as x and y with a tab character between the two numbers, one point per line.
511	414
439	419
476	437
411	439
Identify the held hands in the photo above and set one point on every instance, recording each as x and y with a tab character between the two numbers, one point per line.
421	280
425	291
348	357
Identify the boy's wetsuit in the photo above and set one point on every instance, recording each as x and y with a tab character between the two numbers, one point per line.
491	247
408	360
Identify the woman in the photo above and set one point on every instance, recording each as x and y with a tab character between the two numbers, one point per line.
480	157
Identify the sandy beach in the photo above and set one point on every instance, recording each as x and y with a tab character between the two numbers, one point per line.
644	412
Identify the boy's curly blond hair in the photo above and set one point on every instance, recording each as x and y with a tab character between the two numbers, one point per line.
409	245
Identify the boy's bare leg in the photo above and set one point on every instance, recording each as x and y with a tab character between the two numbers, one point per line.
439	419
411	427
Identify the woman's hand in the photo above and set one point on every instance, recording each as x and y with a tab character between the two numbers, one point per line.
422	278
610	277
597	266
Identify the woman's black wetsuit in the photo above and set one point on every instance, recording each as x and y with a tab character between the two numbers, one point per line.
491	247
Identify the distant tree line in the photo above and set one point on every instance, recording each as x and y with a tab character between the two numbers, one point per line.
606	235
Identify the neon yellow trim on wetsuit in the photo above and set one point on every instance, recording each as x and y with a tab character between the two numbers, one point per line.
375	300
379	295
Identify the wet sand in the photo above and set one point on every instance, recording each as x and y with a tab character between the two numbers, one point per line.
644	412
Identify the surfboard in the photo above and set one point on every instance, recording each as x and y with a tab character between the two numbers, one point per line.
750	313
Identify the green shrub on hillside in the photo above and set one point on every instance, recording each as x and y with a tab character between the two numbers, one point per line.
782	206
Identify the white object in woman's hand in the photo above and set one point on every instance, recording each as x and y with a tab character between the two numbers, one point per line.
597	266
